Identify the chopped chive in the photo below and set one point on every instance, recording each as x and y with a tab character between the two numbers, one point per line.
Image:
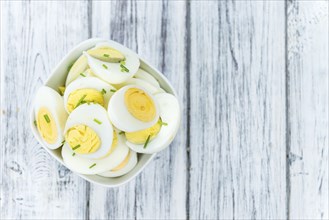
121	132
35	122
80	100
105	67
106	55
123	68
46	118
97	121
73	154
163	123
103	91
123	62
61	90
82	74
147	141
92	166
113	90
76	147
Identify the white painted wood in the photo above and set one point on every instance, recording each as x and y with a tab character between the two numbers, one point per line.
237	87
156	31
35	36
308	111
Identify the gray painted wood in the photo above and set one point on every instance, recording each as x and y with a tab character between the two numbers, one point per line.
35	37
252	78
308	49
237	88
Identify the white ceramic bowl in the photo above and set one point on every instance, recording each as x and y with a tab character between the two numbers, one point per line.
58	77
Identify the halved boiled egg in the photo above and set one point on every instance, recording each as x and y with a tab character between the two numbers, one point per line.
132	108
50	116
79	66
87	90
159	136
143	75
112	62
110	161
89	132
124	167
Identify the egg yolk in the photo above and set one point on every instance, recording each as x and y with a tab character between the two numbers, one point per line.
114	144
122	164
81	96
82	139
140	137
140	105
46	125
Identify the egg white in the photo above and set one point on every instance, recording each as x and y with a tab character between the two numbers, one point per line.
170	114
80	65
50	99
143	84
82	165
126	169
89	83
113	72
143	75
121	117
85	115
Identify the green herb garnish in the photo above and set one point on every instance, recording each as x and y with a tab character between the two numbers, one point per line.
97	121
35	122
82	74
105	67
103	91
123	68
106	55
46	118
73	154
76	147
163	123
147	141
121	132
113	90
81	100
92	166
123	62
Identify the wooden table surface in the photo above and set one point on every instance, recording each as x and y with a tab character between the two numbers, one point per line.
252	77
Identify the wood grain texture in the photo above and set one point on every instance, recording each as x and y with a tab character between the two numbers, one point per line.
237	136
147	27
308	110
36	35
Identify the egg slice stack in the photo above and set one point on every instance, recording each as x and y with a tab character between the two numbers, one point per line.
109	111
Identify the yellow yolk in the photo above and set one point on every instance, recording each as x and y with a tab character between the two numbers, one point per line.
82	139
46	125
122	164
140	105
114	144
81	96
140	137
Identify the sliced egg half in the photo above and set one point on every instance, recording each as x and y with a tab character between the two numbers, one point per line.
85	90
50	116
114	72
155	138
79	66
124	167
132	108
91	166
88	131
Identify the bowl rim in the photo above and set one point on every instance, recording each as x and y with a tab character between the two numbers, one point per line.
158	75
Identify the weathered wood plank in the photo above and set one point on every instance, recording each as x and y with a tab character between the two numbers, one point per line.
156	30
237	135
36	35
308	111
